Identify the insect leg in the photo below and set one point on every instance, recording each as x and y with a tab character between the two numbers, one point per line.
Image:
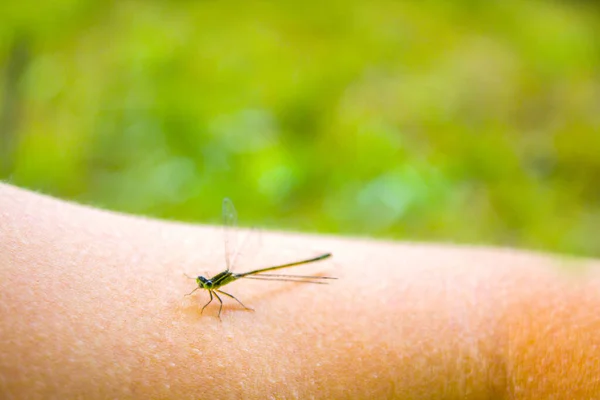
193	291
221	307
233	297
211	299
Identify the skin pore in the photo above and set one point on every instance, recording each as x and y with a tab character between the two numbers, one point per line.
92	305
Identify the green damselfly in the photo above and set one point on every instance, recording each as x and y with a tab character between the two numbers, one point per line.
214	284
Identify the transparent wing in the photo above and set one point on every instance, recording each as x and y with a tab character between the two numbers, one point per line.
229	231
248	249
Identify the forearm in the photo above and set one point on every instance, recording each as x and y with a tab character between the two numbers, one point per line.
92	305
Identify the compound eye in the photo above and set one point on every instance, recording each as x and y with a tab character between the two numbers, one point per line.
205	283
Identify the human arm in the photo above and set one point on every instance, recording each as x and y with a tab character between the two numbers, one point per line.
91	306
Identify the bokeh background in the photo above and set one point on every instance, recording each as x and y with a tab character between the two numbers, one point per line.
457	121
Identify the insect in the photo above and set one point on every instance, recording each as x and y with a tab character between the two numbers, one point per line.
214	284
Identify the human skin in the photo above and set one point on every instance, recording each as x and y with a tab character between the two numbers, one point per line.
92	306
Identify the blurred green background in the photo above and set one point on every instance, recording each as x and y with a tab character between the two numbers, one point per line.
462	121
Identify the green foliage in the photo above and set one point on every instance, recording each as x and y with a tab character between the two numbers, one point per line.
474	122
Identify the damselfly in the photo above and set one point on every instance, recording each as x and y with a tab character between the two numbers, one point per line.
214	284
